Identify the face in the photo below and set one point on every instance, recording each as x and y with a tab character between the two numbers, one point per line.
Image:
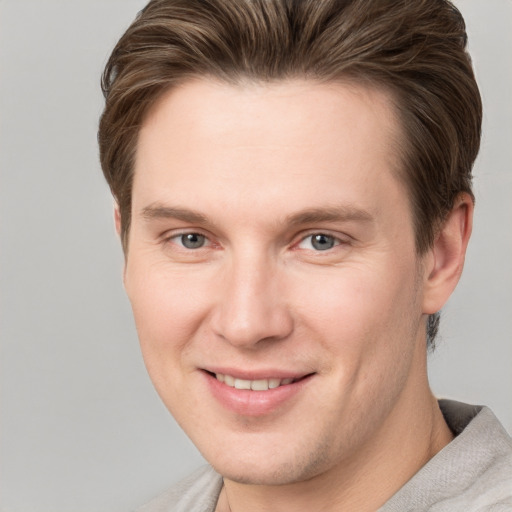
273	274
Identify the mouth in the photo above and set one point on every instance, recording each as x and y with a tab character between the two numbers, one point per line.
257	394
256	384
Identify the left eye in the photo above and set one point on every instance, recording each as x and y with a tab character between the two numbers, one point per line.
319	242
191	240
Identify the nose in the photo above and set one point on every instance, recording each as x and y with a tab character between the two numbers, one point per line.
251	307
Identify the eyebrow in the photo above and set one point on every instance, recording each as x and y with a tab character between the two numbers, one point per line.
342	213
158	211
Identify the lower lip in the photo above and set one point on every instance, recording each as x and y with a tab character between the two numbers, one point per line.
254	403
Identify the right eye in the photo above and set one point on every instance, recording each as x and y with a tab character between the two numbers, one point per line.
319	242
190	240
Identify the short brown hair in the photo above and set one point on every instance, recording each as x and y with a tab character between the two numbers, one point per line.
415	49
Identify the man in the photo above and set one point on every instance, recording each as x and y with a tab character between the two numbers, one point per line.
293	187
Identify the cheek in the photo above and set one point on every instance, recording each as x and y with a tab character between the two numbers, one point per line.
368	328
360	310
167	312
167	307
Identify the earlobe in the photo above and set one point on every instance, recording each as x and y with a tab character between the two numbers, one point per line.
447	255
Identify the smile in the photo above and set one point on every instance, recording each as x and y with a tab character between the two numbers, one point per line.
256	396
255	385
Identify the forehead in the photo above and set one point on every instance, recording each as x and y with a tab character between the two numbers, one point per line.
257	112
277	142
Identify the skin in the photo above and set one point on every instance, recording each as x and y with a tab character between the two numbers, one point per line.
248	161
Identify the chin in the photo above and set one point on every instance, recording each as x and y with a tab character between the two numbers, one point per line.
242	474
278	469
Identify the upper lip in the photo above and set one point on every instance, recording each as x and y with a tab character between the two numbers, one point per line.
258	374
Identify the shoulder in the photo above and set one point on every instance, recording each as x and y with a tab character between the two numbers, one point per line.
471	474
196	493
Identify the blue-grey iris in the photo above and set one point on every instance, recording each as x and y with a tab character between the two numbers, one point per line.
192	240
322	242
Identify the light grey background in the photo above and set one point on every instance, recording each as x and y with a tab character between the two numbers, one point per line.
81	427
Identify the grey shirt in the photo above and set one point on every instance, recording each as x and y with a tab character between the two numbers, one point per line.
471	474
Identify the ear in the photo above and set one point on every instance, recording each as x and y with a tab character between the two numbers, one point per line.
445	260
117	223
117	218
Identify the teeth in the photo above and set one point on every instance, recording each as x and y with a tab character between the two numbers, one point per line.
255	385
274	383
242	384
259	385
